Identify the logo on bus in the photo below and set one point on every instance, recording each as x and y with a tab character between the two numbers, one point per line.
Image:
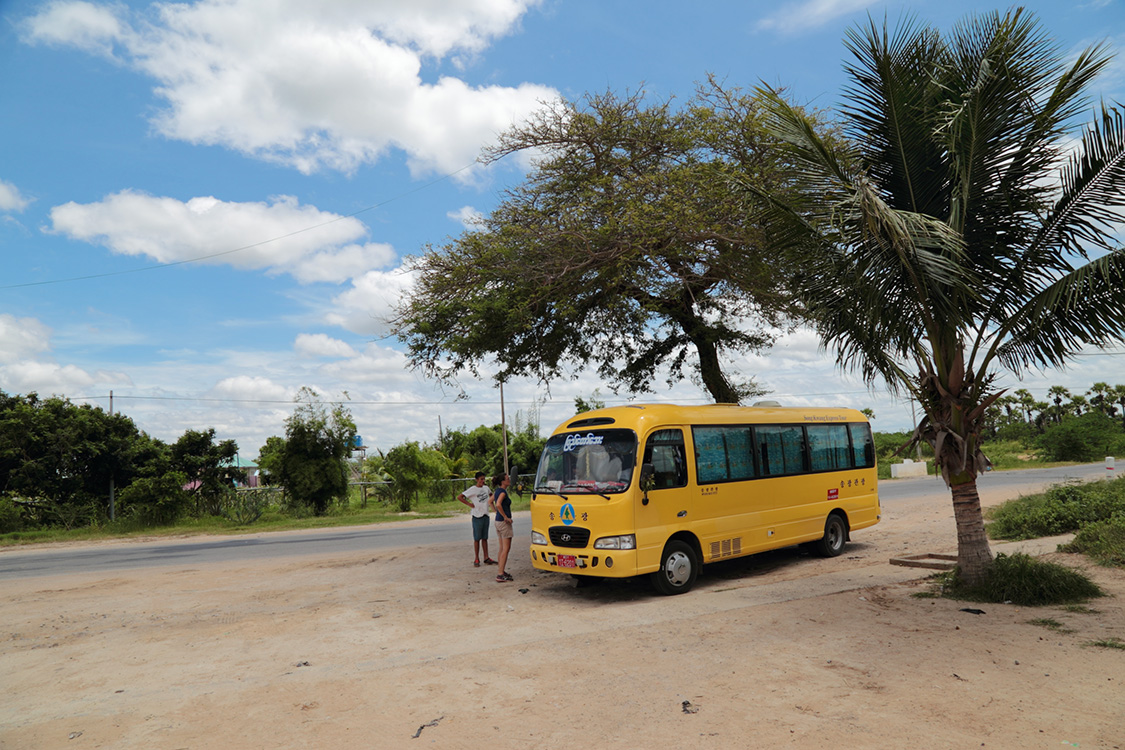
566	514
577	441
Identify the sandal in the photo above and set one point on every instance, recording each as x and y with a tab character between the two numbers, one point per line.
508	577
503	579
489	561
476	563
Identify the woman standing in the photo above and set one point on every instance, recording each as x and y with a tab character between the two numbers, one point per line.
503	503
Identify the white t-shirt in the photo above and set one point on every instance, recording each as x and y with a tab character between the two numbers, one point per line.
478	496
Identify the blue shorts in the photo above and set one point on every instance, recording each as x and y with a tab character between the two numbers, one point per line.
480	528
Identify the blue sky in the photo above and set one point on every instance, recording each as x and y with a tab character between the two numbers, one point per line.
206	205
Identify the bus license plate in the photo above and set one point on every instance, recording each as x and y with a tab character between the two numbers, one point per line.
567	561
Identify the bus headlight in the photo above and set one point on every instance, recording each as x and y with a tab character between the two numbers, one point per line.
625	541
537	538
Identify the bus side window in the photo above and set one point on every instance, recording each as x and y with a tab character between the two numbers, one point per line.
665	451
863	447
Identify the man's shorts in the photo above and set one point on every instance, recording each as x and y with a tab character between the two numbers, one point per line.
480	528
504	529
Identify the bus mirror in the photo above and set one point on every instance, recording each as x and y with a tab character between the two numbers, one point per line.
648	481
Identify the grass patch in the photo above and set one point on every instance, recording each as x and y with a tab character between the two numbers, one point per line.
1059	510
1026	581
1103	541
1108	643
1050	624
1081	609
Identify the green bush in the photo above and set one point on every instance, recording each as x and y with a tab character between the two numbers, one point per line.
155	501
1104	541
1090	437
1026	581
1059	510
11	517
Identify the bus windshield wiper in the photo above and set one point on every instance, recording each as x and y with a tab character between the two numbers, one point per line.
587	491
549	491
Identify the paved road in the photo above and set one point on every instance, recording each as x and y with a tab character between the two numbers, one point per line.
24	563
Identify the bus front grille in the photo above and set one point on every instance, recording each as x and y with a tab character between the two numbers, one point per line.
569	536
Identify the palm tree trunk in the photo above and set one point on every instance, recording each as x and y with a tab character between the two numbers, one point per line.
973	553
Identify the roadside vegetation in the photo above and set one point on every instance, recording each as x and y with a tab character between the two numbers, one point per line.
1095	510
57	459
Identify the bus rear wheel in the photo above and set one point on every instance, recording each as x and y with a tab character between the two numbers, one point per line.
679	567
835	537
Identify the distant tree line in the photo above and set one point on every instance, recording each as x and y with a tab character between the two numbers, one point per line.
1064	427
65	465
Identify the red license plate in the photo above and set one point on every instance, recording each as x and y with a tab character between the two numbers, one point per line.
566	561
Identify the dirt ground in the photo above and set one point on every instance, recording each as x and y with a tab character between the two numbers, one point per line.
416	648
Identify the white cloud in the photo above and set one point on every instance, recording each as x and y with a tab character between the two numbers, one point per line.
251	388
322	345
794	18
468	217
10	198
94	28
22	337
333	84
311	245
367	307
51	378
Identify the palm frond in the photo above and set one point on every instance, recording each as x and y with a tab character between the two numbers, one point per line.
1087	306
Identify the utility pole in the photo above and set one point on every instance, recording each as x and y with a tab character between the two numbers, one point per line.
112	510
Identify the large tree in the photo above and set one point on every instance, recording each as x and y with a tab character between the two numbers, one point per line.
313	464
624	249
965	226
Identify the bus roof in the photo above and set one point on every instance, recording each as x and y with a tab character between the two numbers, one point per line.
641	417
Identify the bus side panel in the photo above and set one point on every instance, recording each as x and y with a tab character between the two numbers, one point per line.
761	514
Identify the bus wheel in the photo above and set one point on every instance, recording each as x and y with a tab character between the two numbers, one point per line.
679	568
835	537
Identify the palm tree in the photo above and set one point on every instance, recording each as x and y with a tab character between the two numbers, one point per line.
947	234
1102	398
1058	394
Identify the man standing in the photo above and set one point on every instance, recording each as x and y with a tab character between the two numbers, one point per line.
477	497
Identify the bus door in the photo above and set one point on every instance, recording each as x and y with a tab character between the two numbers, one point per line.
668	507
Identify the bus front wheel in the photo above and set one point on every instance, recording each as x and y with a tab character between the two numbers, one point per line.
835	537
679	567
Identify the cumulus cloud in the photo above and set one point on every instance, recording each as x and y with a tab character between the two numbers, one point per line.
250	388
10	198
90	27
51	378
22	337
307	243
468	217
368	306
322	345
794	18
332	84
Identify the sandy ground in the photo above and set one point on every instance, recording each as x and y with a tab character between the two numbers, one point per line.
416	648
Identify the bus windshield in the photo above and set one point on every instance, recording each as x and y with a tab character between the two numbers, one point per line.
598	461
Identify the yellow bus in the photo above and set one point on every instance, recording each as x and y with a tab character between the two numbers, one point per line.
664	489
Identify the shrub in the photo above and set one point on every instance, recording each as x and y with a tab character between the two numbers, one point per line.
1089	437
1026	581
156	501
11	518
1104	541
1060	509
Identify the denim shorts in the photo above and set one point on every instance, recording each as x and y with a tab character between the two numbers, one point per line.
480	528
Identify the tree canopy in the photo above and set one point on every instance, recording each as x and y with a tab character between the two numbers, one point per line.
313	461
625	249
964	226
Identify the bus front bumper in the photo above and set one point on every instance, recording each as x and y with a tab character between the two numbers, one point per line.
608	563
